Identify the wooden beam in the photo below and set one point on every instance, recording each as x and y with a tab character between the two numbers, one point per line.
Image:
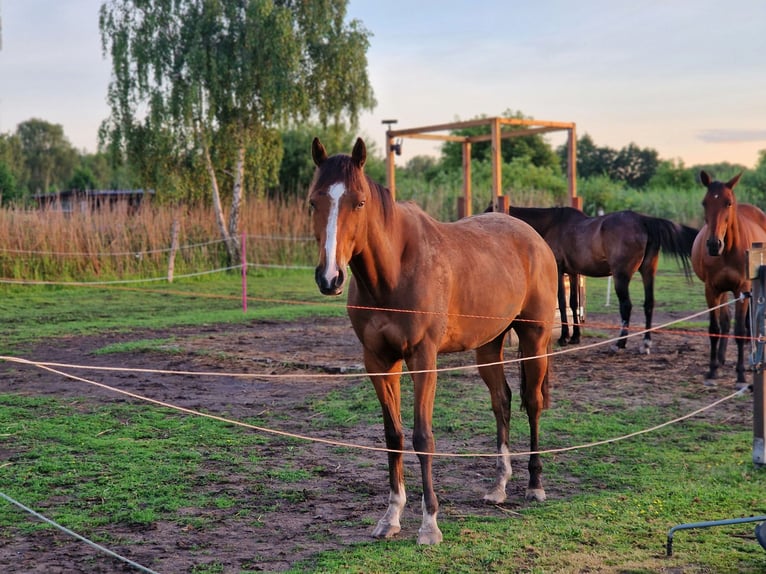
497	165
467	209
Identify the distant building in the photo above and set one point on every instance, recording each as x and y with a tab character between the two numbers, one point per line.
77	200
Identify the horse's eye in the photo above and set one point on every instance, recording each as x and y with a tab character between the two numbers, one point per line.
312	206
728	204
360	205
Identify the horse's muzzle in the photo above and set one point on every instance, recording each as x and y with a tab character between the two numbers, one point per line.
332	287
714	246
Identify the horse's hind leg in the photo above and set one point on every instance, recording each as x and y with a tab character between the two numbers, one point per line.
500	393
534	341
562	297
574	305
389	395
648	270
621	283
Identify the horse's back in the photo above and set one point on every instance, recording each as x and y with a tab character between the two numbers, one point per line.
755	220
508	254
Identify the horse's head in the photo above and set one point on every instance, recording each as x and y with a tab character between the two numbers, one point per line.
337	200
720	207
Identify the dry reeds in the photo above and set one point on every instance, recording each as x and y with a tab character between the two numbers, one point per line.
117	242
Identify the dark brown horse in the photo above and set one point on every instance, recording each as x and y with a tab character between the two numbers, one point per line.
719	260
420	287
617	244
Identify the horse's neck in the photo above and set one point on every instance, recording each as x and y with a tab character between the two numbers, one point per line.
733	242
377	268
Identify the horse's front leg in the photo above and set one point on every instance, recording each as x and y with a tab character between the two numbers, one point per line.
500	394
718	324
741	333
387	388
424	359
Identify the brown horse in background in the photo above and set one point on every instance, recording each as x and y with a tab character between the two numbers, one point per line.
420	287
618	244
719	260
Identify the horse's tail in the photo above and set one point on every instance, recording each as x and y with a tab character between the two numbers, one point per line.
672	238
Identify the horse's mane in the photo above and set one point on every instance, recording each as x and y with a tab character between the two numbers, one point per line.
383	197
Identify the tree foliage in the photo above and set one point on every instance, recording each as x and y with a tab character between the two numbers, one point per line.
633	165
201	87
48	155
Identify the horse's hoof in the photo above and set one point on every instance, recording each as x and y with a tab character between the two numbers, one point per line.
386	530
535	494
574	341
495	496
708	382
430	536
562	342
614	349
646	348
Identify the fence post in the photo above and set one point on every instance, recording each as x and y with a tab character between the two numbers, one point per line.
244	273
173	249
757	272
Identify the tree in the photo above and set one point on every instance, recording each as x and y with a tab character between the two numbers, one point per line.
82	179
48	155
8	188
633	165
207	82
12	162
533	147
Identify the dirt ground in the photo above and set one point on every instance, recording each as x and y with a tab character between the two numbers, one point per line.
338	506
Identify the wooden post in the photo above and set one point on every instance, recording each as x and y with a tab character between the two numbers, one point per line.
244	273
467	210
497	176
757	272
173	249
575	201
390	167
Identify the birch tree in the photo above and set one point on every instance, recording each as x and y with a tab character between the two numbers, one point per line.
208	83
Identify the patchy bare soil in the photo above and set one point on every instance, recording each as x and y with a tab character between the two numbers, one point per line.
338	505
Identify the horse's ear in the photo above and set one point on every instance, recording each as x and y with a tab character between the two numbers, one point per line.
733	181
359	153
318	153
705	178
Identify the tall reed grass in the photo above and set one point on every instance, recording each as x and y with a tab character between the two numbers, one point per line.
115	242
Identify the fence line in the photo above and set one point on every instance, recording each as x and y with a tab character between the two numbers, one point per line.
305	238
75	535
373	448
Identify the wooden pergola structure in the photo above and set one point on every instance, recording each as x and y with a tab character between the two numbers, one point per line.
496	135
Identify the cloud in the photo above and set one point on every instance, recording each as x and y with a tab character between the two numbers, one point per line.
731	135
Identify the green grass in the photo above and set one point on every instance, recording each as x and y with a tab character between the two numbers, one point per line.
121	463
89	465
32	313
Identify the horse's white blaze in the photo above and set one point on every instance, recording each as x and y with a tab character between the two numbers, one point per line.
331	268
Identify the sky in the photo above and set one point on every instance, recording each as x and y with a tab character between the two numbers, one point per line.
684	77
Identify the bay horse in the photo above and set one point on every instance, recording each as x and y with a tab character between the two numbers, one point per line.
420	287
719	260
617	244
